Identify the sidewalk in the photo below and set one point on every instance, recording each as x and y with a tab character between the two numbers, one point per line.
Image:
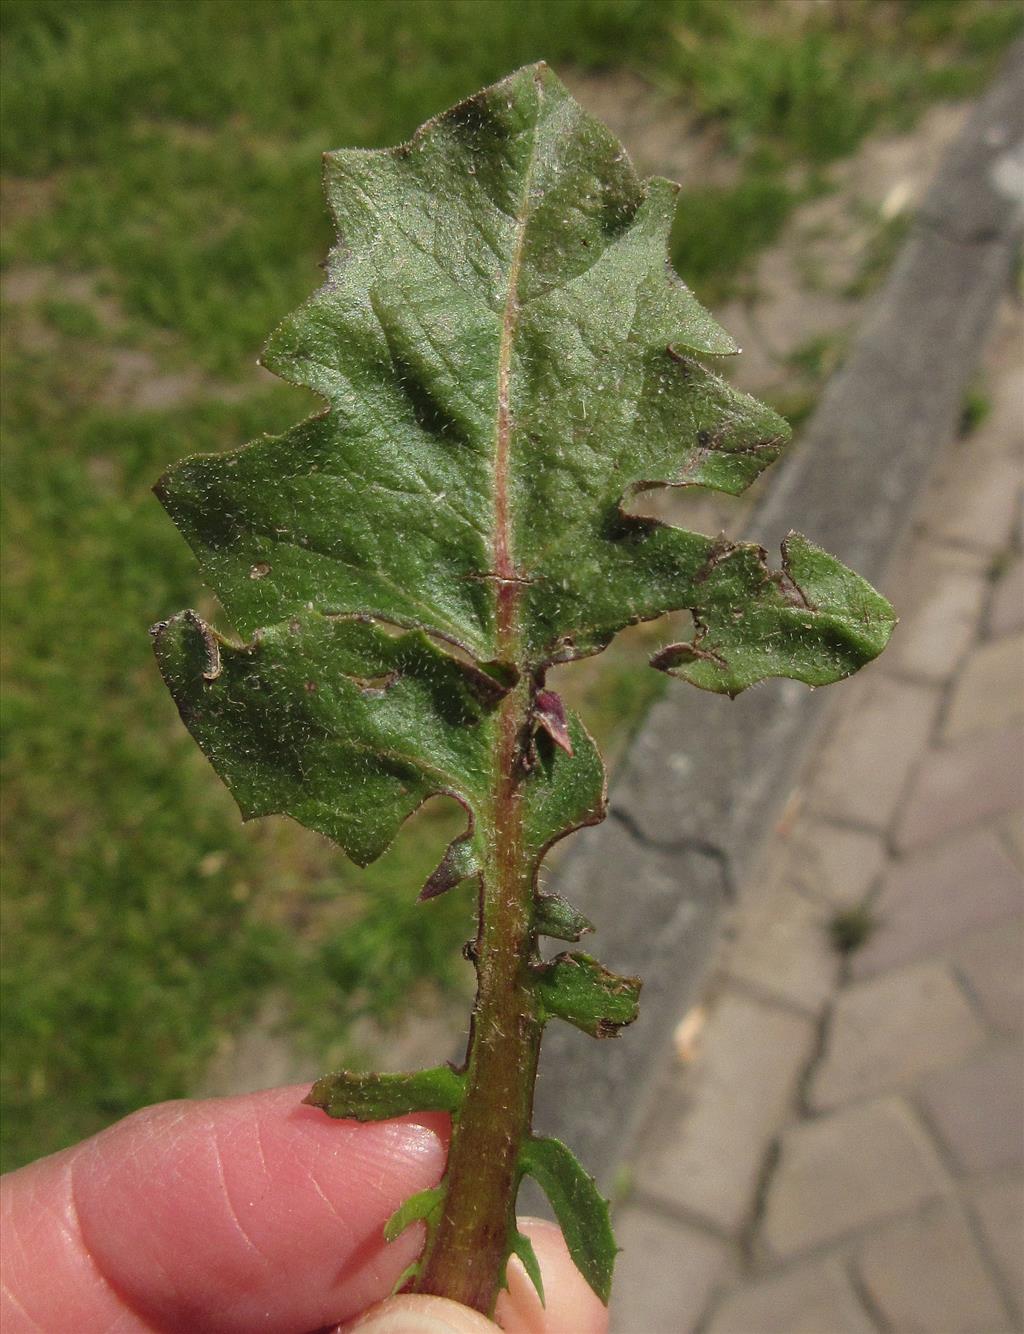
838	1145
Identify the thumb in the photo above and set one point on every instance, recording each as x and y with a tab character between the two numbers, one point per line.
420	1315
571	1306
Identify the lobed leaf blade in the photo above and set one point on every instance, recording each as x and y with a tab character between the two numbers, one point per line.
333	721
522	1247
348	729
508	362
555	916
376	1097
582	1212
815	621
580	990
514	215
422	1207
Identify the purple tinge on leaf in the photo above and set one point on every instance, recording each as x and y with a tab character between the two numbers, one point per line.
458	863
549	711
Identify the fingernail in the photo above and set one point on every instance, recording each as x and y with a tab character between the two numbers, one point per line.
420	1315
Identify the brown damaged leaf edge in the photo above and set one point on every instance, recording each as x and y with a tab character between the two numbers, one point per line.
507	359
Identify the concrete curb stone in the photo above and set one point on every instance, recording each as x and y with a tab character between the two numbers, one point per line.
706	777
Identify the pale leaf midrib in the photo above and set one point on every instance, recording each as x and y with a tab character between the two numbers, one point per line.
504	568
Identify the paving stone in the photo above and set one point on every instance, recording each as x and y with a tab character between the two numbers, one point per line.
929	902
868	758
664	1275
1011	830
812	1299
963	785
991	963
888	1031
924	1274
1000	431
978	1109
705	1144
942	622
999	1209
1006	612
841	1172
781	944
990	691
594	1094
975	501
832	863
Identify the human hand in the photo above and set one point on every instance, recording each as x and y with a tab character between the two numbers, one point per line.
237	1214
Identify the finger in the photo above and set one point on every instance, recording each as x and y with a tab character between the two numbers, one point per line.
571	1307
216	1217
420	1315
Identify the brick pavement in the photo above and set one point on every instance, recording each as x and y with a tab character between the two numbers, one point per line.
838	1145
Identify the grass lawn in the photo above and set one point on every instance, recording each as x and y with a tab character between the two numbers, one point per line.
163	211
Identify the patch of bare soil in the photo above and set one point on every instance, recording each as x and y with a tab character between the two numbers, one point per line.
264	1054
129	376
660	136
23	198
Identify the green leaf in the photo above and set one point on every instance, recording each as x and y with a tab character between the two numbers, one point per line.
370	1097
507	362
333	721
581	1210
815	621
562	792
522	1246
582	991
348	729
460	861
421	1207
502	345
408	1273
557	917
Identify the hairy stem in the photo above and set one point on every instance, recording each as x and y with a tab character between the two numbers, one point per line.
466	1254
467	1251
